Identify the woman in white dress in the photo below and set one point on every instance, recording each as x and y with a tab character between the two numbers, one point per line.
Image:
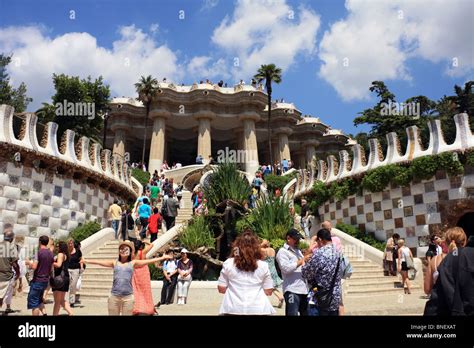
245	280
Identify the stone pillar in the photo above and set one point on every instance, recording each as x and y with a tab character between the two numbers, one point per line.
311	153
250	141
204	139
204	118
119	142
283	144
157	146
275	153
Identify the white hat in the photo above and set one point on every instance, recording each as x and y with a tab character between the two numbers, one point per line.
184	250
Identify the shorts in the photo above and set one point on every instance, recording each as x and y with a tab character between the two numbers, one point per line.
35	296
404	266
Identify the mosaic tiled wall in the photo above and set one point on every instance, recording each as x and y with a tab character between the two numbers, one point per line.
43	203
414	212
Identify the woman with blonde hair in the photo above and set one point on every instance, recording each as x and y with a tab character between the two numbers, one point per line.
268	255
455	237
405	258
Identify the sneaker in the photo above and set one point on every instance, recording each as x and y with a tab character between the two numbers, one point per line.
158	305
9	310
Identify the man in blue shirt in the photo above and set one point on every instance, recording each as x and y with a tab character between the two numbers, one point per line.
284	164
199	159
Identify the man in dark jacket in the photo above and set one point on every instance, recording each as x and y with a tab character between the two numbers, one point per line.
453	292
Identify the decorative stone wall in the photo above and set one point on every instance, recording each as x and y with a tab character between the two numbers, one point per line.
41	203
414	212
50	186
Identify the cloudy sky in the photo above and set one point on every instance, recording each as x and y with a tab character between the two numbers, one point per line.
329	50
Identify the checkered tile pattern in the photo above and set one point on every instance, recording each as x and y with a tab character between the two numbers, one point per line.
412	211
42	203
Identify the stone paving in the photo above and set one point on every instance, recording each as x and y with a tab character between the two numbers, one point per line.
206	301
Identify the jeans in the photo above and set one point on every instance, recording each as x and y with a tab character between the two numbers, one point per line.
74	275
144	222
167	293
115	226
295	303
121	305
153	237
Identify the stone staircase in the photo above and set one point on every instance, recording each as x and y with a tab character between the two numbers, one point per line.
186	210
97	280
368	279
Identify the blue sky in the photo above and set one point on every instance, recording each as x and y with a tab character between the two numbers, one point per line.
416	47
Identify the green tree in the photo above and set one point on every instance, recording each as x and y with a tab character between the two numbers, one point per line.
146	87
71	90
383	123
270	73
15	97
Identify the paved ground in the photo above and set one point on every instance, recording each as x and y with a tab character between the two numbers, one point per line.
206	301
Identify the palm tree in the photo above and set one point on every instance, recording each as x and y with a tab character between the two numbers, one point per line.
270	73
147	88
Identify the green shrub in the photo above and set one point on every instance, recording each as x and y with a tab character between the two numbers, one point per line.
356	233
197	234
271	218
226	182
320	194
303	245
274	182
141	176
277	243
449	161
155	273
343	189
84	231
424	168
378	179
470	158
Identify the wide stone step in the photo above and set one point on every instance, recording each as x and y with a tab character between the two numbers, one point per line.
88	284
374	284
94	276
99	288
368	271
94	296
364	266
377	290
379	280
366	276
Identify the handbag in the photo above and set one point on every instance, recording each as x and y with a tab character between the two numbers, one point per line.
324	296
58	281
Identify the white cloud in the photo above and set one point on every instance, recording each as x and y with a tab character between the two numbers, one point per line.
263	32
36	57
377	38
203	67
154	28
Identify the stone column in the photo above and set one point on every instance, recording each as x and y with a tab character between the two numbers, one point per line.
311	152
283	144
119	142
204	134
157	146
275	153
250	141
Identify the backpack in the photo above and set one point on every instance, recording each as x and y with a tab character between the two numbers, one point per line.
346	267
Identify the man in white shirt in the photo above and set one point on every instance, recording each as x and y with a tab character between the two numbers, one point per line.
290	259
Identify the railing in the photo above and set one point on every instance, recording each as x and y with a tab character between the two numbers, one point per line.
81	155
333	170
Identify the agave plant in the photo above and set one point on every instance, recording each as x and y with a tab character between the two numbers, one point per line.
271	219
227	183
197	234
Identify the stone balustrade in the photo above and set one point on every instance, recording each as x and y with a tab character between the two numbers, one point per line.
91	160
